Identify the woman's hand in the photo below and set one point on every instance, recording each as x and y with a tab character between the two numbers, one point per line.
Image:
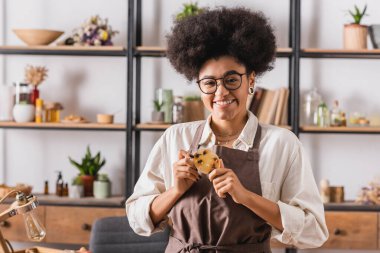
185	173
225	181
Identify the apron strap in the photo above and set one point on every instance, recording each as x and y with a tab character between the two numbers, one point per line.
256	141
197	138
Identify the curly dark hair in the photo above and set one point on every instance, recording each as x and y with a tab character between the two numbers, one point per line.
238	32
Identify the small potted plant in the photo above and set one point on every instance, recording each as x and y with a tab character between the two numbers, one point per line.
355	34
76	189
189	9
158	116
88	170
193	108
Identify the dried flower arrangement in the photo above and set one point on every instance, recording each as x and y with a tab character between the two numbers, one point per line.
94	32
35	75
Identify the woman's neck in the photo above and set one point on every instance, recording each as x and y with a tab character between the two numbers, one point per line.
227	128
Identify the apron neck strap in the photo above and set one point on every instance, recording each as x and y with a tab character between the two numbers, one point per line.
256	141
197	138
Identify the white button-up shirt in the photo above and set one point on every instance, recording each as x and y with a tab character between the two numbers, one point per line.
285	173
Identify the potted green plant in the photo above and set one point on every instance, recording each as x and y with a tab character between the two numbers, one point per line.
88	170
189	9
158	116
193	108
355	34
76	188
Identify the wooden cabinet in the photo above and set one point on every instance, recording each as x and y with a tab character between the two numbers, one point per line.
74	222
352	230
64	224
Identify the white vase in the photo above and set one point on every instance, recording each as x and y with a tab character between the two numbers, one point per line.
76	191
23	113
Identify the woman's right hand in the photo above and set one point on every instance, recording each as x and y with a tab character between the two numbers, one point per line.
185	173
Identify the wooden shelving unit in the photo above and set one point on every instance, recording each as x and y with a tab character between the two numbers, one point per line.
64	50
154	51
64	126
334	130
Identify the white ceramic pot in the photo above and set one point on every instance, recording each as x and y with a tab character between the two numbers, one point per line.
102	189
23	113
76	191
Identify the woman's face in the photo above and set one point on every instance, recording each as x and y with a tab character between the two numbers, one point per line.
226	104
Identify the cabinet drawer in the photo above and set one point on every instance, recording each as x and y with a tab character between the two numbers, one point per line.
13	229
73	224
352	230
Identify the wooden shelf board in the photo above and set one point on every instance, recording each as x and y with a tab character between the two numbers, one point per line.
95	126
108	51
51	199
350	206
65	48
359	51
150	126
340	129
161	50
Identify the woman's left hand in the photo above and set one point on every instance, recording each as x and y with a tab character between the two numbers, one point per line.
225	181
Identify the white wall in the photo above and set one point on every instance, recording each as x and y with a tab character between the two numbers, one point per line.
87	85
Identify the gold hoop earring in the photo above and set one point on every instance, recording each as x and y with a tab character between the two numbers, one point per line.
251	90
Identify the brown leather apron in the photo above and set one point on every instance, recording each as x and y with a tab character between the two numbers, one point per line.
204	222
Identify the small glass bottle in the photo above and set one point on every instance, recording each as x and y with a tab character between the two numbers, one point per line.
335	115
59	185
65	191
178	110
311	101
323	115
46	188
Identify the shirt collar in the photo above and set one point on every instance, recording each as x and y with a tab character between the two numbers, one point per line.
245	138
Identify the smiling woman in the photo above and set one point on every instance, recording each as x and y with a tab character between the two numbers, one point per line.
264	185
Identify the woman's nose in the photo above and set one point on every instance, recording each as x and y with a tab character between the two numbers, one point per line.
221	89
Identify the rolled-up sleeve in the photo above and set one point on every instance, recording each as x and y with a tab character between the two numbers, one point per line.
148	187
301	208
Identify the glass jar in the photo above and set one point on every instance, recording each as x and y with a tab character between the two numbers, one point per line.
166	98
312	100
22	93
323	115
178	110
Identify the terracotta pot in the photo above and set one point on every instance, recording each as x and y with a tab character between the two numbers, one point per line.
88	184
355	36
193	111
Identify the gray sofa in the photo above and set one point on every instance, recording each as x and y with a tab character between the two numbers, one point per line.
114	235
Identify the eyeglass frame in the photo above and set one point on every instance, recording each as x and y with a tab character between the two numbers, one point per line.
222	83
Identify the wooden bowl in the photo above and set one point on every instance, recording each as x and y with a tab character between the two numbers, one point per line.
104	118
37	37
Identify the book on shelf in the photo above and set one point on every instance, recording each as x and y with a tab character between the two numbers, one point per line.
270	106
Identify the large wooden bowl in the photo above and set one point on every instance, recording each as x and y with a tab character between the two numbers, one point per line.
37	37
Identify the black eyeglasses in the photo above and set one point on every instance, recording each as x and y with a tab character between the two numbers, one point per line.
231	81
